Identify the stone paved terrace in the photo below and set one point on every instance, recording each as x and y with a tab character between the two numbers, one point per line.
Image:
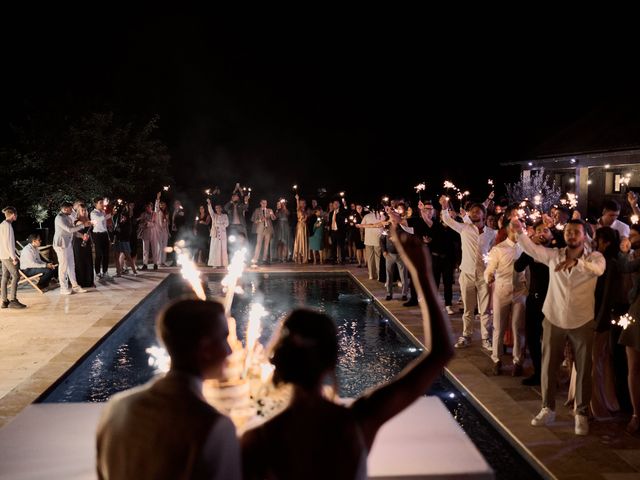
40	343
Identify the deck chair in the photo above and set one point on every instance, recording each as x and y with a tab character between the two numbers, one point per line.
33	279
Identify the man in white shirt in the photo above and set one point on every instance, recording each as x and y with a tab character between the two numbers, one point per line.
569	312
9	259
63	246
477	240
372	223
100	237
166	429
609	218
31	264
509	299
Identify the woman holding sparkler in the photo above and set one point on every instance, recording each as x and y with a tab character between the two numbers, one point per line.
630	336
316	438
317	237
218	256
82	255
202	231
282	240
301	242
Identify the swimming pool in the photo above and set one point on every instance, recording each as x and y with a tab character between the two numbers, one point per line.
372	349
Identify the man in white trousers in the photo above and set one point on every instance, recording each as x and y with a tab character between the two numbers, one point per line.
509	299
63	246
477	240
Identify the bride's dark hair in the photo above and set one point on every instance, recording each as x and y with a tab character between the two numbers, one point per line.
306	350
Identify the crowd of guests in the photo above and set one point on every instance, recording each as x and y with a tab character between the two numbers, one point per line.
554	286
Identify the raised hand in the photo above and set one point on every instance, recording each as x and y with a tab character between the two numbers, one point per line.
444	203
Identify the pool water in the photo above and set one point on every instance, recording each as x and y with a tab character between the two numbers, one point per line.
372	349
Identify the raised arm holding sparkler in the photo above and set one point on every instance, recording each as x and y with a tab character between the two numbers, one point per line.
335	438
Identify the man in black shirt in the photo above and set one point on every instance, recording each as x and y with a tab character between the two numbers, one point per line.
539	283
443	243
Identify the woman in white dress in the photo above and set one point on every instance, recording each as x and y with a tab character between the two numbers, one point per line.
218	250
162	229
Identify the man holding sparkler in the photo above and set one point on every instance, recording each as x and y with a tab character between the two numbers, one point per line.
262	219
477	240
569	313
100	237
166	429
236	211
609	218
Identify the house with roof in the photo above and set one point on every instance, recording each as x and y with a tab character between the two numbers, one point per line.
596	157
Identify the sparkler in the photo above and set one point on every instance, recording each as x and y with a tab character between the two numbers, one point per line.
624	321
166	188
634	218
450	185
207	192
490	182
253	333
537	200
572	199
230	281
159	359
189	270
420	188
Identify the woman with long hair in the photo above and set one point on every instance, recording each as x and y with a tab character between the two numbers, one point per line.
301	243
82	255
282	240
218	256
314	437
202	231
162	227
630	336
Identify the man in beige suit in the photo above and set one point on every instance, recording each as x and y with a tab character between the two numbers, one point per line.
165	429
262	219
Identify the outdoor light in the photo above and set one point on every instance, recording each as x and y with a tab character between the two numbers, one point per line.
572	180
531	164
452	395
607	165
589	182
573	160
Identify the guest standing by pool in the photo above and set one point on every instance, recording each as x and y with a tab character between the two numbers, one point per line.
218	249
316	239
301	242
82	246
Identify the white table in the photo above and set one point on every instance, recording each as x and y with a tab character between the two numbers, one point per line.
57	441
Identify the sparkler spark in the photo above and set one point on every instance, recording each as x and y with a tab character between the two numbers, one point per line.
166	188
490	182
190	272
254	328
230	281
448	184
159	359
624	321
420	187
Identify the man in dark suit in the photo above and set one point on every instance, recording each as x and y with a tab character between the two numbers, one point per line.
337	230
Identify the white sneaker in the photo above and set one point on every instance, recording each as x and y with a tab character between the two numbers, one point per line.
545	417
78	289
582	425
463	342
487	345
449	310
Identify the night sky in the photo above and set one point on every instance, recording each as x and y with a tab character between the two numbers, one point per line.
368	107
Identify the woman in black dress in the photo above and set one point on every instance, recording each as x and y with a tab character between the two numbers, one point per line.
202	231
82	250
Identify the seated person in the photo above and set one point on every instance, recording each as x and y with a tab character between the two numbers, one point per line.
31	263
314	438
165	429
